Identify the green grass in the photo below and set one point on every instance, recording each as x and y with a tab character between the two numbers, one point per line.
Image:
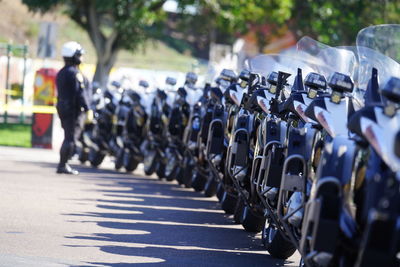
15	135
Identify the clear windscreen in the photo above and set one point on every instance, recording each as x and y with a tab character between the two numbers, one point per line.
379	47
309	55
382	38
328	59
267	63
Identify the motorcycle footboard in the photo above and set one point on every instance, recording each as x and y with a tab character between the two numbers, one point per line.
322	221
273	173
379	243
215	139
292	183
240	148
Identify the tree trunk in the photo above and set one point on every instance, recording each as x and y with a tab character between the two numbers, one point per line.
103	67
107	46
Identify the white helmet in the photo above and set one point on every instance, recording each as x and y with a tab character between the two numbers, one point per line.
71	49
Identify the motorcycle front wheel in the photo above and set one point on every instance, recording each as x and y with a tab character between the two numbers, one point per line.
149	162
160	170
171	169
198	181
187	173
130	163
96	157
210	188
83	155
276	245
252	220
119	159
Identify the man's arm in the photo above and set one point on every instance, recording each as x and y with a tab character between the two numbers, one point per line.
81	92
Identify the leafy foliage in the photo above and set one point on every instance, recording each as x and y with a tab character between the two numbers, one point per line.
337	22
333	22
111	25
127	21
117	24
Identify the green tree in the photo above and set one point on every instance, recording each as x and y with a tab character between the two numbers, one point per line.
221	20
125	24
111	25
337	22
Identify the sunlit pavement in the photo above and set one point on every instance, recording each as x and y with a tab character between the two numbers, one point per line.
105	218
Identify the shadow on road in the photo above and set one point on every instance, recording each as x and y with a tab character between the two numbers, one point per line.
161	223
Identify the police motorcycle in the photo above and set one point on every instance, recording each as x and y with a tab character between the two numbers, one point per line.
184	127
155	143
190	137
335	152
211	135
233	97
105	121
361	231
128	98
196	134
249	211
177	120
174	123
378	237
134	129
97	103
240	128
280	138
147	95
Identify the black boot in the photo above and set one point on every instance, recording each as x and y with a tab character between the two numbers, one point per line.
65	153
66	169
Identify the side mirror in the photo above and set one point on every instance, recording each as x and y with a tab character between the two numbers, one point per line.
116	84
144	83
171	81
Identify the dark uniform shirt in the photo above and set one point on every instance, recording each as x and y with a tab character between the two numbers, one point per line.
73	91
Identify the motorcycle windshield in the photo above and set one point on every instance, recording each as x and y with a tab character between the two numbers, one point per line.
378	47
309	55
288	62
193	95
382	38
328	59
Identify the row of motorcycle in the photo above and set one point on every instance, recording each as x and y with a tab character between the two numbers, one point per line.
303	146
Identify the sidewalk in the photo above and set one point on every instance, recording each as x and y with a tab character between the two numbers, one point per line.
104	218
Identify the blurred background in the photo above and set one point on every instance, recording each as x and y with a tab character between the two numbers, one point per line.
153	39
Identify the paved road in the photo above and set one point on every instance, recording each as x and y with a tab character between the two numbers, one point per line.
104	218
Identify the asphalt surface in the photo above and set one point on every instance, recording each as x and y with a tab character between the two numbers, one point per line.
105	218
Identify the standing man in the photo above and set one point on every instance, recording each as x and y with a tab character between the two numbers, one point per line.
72	102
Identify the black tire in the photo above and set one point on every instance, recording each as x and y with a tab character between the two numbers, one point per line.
210	188
172	175
238	214
252	220
130	163
83	155
119	159
171	170
276	245
160	170
228	202
220	191
187	174
198	181
150	162
179	176
95	157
